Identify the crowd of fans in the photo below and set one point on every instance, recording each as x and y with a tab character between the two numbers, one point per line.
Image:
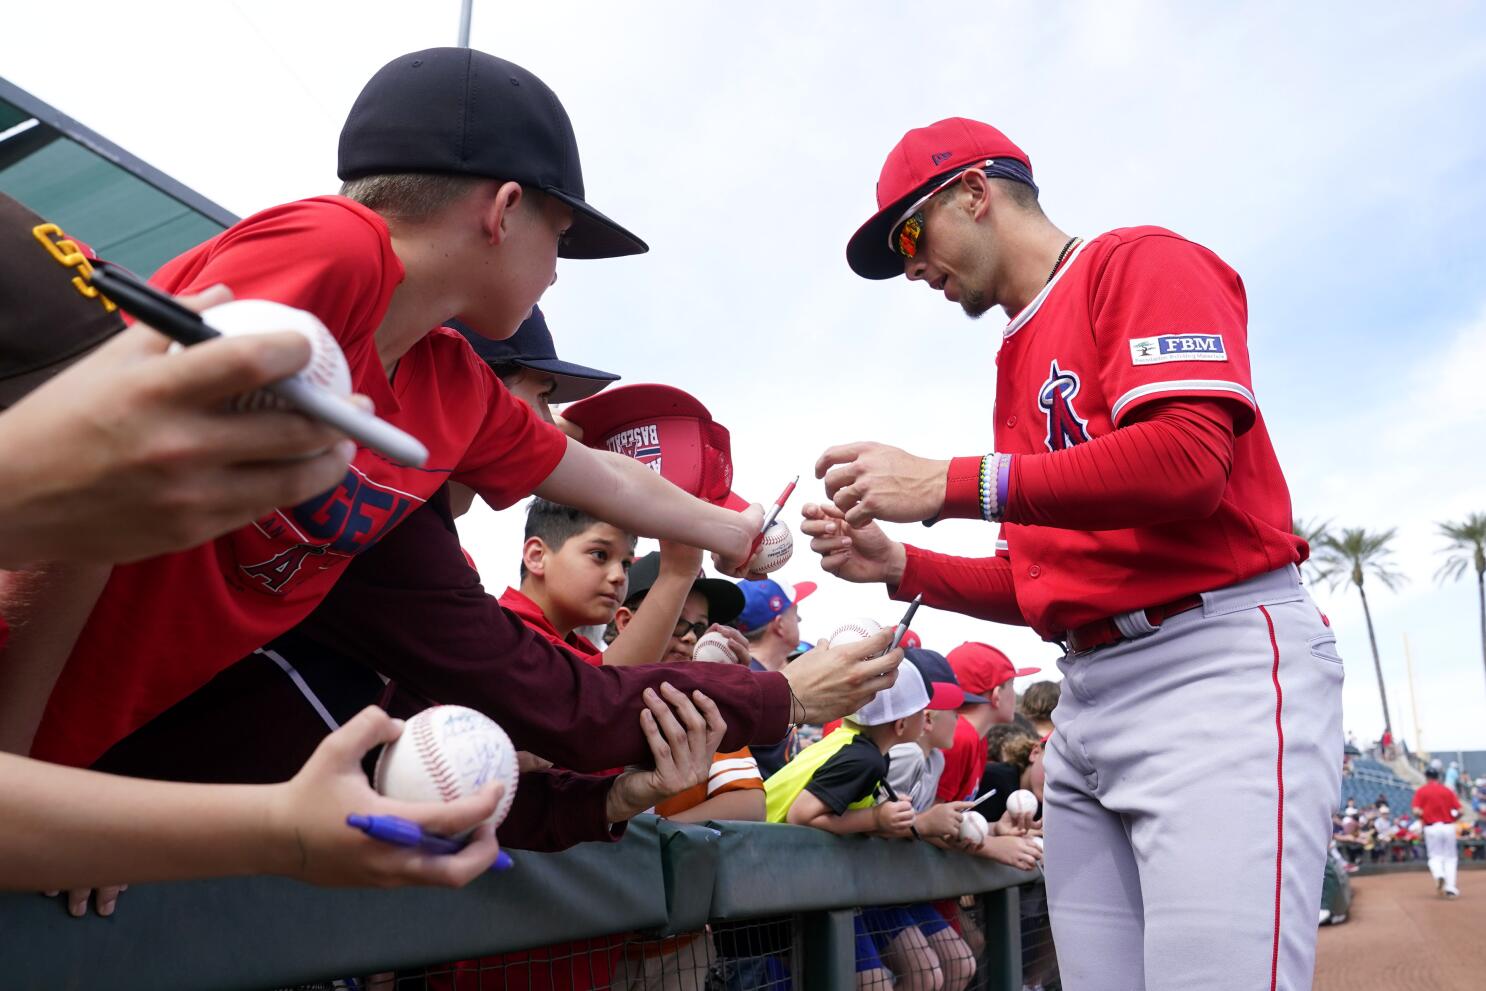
1378	832
169	630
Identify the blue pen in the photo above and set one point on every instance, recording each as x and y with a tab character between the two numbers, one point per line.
403	832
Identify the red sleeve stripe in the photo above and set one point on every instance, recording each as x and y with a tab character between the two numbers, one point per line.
1182	387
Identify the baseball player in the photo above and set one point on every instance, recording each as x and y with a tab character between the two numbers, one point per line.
1148	530
1438	807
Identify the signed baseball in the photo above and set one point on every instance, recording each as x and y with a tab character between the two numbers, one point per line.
1021	801
774	551
713	649
327	368
445	753
973	828
853	631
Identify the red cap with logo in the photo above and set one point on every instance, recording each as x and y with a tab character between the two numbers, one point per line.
924	157
981	667
667	430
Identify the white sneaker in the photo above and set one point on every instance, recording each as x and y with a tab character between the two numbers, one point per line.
1325	916
1452	893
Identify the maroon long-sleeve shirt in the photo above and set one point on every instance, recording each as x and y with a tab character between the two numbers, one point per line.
411	608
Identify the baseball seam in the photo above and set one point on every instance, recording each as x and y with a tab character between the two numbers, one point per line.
433	760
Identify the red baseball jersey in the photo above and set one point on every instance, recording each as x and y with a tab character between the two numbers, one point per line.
1436	803
964	763
1135	316
531	614
165	626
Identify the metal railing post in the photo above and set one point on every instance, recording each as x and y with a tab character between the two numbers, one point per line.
827	950
1003	955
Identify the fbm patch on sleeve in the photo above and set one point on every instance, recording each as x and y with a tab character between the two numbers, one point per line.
1177	347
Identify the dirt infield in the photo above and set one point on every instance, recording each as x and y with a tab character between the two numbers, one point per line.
1402	935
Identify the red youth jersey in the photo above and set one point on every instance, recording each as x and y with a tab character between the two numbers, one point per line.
1136	316
163	627
964	763
531	614
1436	803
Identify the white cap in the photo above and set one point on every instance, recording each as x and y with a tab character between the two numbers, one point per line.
906	696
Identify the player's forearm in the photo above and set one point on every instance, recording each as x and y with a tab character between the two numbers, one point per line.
46	608
1170	463
623	492
643	641
981	587
68	828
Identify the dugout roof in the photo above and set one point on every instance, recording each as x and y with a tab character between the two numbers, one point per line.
127	210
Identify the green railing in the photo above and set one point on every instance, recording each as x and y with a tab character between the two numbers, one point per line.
663	878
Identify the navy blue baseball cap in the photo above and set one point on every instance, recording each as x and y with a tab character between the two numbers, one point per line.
937	672
463	112
765	599
531	347
723	598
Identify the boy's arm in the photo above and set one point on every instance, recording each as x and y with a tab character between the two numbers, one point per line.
644	639
807	810
622	491
46	608
743	805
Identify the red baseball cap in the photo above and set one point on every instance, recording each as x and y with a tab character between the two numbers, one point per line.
667	430
911	641
981	667
925	157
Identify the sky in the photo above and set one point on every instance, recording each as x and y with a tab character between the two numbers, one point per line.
1333	154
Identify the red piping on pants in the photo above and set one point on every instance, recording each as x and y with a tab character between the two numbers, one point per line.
1279	771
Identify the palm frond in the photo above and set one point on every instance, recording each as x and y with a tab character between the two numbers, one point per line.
1465	547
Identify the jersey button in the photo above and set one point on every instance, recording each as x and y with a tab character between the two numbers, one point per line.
1035	571
1011	421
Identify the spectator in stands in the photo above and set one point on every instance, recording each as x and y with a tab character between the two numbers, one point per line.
1349	841
770	620
1037	704
1351	808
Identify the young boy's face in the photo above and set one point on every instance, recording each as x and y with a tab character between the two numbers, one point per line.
507	283
940	729
679	648
913	727
587	577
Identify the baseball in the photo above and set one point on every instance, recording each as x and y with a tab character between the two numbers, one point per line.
712	649
973	828
774	552
853	631
445	753
1021	801
327	368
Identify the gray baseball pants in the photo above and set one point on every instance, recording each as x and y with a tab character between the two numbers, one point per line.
1190	785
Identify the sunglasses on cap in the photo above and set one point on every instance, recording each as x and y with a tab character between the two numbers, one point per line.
904	236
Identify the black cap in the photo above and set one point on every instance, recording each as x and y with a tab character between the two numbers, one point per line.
53	315
531	347
1430	772
934	666
724	601
460	111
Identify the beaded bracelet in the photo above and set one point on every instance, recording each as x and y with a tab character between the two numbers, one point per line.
994	469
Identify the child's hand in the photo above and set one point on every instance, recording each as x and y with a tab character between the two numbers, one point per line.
680	559
1013	851
894	818
734	563
737	643
307	819
943	820
1021	824
683	733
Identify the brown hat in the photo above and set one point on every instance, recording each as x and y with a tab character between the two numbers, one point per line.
50	315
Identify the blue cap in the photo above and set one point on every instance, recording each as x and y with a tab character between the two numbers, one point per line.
765	599
531	347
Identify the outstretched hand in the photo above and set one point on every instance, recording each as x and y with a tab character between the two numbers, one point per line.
861	554
869	481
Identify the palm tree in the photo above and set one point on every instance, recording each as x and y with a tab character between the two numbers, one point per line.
1313	532
1348	556
1467	548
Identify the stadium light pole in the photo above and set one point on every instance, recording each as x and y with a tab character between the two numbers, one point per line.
464	22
